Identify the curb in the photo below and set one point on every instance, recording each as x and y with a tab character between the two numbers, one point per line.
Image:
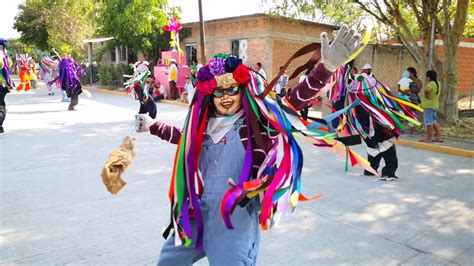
435	148
122	93
409	143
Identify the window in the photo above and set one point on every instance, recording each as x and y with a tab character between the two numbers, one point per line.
239	49
234	47
123	53
191	54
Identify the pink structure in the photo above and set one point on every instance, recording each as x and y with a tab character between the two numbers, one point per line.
160	71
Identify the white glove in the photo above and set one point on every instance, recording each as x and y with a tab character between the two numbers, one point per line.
342	47
143	122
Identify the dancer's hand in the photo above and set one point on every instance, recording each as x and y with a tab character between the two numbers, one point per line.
342	47
143	122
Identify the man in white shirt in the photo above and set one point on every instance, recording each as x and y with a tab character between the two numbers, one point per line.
261	71
367	70
280	87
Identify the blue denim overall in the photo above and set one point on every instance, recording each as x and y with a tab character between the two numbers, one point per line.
222	246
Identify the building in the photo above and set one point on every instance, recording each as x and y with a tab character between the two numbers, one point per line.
255	38
272	40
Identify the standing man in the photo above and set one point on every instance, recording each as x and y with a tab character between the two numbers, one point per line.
367	70
280	87
172	79
6	83
261	71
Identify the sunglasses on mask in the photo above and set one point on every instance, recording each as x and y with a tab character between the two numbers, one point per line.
219	93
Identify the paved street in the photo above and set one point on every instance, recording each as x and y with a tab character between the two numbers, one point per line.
54	208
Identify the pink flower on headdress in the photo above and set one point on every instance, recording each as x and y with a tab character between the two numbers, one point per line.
241	74
206	87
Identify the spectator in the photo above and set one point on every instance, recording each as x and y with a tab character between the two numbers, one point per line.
415	88
261	71
430	104
367	69
184	96
404	84
189	89
160	92
172	79
280	87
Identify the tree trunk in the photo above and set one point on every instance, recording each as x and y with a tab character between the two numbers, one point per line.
450	108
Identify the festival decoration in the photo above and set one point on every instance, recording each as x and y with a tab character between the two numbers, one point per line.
173	27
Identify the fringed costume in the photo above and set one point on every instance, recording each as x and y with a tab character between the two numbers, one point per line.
379	119
6	83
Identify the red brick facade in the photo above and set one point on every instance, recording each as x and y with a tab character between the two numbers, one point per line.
272	40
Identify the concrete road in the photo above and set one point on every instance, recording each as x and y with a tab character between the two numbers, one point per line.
54	208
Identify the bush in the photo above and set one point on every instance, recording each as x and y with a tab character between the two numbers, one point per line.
86	79
112	75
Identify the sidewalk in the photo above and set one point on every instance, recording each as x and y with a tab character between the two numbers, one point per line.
453	146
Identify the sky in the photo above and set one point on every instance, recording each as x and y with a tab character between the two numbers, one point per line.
212	9
9	11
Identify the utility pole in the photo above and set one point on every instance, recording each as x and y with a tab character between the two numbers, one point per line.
201	30
432	43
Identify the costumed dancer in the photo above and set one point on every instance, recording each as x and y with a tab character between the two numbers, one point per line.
24	75
69	77
48	72
379	119
6	83
138	87
238	158
33	73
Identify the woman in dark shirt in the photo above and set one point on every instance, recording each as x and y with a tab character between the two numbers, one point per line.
415	87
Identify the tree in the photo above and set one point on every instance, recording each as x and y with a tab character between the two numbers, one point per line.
31	23
70	22
450	20
139	25
59	24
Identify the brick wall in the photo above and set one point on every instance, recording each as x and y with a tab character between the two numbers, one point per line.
272	41
282	51
389	62
465	65
261	31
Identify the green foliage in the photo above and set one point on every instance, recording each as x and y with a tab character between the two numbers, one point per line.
139	25
59	24
31	23
336	11
469	29
112	75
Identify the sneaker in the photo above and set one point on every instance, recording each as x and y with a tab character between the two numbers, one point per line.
1	130
388	178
